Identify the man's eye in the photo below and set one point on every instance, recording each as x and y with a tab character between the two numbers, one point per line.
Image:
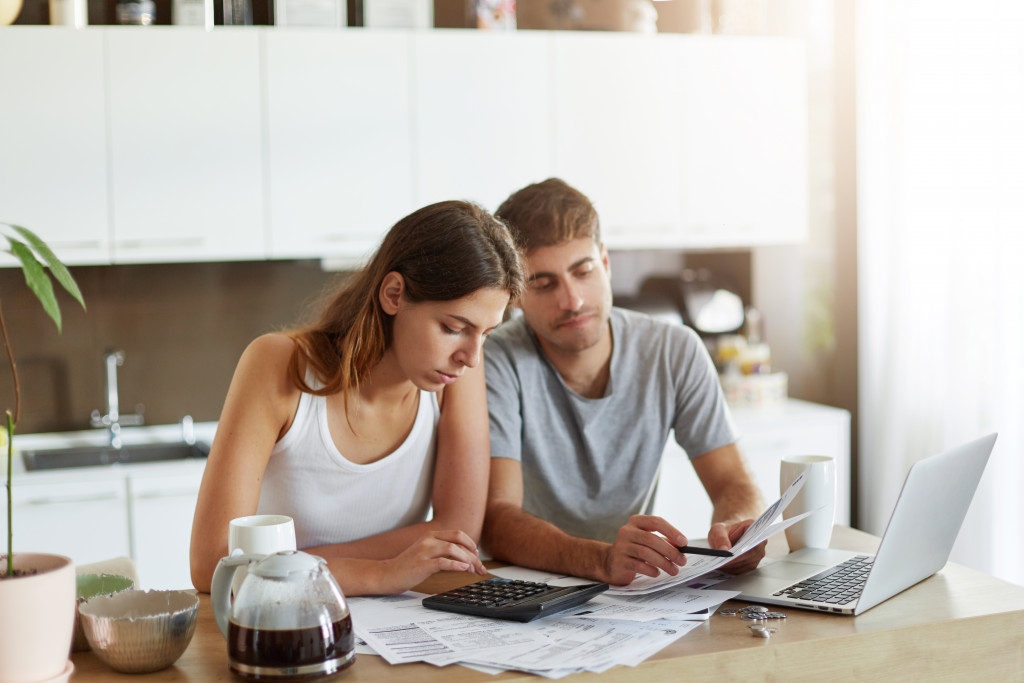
541	285
448	330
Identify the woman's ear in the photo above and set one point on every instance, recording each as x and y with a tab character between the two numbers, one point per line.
391	290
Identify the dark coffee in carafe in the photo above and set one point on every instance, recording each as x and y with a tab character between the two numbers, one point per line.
290	654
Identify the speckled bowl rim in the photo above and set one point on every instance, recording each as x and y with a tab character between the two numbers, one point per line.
99	606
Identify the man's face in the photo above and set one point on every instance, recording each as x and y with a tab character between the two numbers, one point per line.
568	295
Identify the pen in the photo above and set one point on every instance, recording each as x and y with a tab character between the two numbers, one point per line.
696	550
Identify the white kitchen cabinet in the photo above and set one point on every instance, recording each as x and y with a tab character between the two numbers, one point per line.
481	104
53	154
743	141
185	144
616	134
339	130
162	508
161	144
767	435
85	520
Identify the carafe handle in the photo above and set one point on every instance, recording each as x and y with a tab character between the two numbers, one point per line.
220	590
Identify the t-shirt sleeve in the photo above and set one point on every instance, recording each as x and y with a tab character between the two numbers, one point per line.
504	402
702	421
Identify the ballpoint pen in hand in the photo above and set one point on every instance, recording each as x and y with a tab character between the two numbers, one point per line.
697	550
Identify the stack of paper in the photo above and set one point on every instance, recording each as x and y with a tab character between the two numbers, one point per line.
623	626
605	632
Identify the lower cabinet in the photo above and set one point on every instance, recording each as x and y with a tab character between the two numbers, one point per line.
85	520
161	527
767	435
137	511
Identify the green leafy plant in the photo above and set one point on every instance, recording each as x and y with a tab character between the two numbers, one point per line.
35	257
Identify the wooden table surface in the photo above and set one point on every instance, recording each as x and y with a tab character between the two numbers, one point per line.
957	625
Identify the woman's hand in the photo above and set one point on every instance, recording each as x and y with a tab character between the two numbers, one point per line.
436	551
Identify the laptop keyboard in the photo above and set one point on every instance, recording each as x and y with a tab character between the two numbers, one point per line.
837	585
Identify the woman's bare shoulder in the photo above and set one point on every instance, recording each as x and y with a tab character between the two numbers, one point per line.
267	356
272	344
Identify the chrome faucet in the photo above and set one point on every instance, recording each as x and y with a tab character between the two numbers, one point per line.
113	420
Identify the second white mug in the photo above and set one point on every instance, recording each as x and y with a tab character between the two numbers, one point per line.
819	491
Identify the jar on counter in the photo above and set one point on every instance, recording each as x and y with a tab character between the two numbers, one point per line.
136	12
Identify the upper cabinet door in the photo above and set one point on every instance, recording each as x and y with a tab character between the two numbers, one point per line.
340	139
744	147
617	133
53	141
482	114
187	162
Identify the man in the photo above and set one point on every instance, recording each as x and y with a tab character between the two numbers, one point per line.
582	397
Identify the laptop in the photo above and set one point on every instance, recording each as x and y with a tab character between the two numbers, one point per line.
916	544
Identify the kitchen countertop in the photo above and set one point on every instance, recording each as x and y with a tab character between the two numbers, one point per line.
204	431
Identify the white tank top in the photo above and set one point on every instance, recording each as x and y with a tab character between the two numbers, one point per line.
334	500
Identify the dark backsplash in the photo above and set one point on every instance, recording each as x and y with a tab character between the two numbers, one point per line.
182	328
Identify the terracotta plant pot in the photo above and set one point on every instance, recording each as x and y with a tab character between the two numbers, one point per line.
37	616
9	10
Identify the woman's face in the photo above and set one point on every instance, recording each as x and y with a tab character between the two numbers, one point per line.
435	341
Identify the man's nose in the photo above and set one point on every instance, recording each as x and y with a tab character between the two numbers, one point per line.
569	297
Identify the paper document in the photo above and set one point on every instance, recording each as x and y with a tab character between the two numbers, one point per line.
401	630
759	531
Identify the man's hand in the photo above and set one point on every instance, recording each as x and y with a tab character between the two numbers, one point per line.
724	535
639	550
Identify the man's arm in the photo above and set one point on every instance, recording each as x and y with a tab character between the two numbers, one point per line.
736	499
515	536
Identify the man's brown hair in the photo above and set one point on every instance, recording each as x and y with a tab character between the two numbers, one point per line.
548	213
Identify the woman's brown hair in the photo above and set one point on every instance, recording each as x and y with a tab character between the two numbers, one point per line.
444	251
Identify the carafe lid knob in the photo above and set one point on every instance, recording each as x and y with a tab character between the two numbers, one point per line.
282	564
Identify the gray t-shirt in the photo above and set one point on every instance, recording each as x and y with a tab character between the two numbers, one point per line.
588	464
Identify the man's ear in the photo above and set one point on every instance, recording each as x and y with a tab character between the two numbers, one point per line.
605	260
391	290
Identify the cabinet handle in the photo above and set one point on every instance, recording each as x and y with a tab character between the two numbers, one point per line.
166	494
72	499
69	245
340	237
161	243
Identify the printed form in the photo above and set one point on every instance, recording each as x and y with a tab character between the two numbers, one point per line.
623	626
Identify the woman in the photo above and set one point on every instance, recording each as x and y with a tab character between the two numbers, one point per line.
357	424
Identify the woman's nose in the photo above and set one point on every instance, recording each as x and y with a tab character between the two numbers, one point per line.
469	355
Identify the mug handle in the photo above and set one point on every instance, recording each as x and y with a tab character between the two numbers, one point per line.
220	590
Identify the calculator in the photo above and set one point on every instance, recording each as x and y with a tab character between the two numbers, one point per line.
512	599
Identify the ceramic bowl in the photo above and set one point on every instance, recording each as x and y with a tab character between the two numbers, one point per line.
140	631
90	586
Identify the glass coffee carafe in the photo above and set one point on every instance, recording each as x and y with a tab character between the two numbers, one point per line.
288	620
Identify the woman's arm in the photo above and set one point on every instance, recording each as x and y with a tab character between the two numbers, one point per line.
259	407
460	479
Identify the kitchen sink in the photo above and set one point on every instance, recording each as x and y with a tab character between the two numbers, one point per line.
94	456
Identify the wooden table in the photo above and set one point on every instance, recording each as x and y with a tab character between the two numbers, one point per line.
957	625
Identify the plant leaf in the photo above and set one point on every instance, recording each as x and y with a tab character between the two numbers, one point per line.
37	279
56	267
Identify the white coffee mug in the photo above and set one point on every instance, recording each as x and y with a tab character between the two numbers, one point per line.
819	491
259	535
